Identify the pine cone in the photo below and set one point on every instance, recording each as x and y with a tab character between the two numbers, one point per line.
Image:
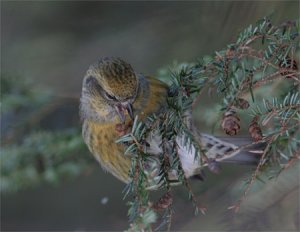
231	122
254	130
164	202
242	103
288	64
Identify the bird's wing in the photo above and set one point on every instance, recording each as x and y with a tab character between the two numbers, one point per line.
215	149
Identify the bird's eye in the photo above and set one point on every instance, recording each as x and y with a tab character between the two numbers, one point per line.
109	97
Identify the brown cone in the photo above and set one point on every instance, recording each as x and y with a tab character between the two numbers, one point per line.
254	130
164	202
231	122
242	104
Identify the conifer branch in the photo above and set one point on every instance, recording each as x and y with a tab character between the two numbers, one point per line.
233	73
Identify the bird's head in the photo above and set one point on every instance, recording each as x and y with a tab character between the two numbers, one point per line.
109	88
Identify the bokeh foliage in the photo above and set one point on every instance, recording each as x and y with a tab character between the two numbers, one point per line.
32	152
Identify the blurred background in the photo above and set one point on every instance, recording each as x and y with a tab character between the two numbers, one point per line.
49	181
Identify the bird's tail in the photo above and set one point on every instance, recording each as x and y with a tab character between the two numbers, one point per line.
218	150
240	150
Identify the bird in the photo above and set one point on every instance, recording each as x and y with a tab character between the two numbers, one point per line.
113	94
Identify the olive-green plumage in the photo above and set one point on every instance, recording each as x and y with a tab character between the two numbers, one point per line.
114	77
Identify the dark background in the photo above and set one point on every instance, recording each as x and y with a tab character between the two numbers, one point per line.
54	42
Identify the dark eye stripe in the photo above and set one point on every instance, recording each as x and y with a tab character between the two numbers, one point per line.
109	97
93	85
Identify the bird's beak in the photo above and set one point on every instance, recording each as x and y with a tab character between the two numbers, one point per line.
130	111
121	110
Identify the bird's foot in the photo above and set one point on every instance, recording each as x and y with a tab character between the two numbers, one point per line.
214	166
